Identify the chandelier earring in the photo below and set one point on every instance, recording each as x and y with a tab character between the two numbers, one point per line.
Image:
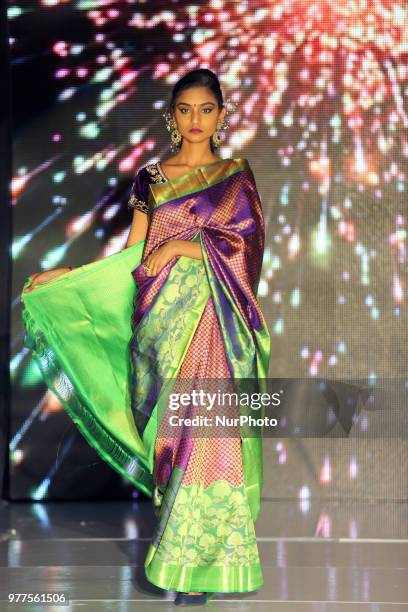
175	135
217	136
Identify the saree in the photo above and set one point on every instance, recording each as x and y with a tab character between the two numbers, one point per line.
197	319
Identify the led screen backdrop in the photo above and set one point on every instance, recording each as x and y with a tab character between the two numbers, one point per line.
321	91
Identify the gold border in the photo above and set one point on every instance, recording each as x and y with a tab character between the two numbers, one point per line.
196	180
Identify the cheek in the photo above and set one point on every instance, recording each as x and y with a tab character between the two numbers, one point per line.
208	122
212	120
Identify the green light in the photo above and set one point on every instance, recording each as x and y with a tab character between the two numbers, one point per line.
31	376
13	12
295	298
18	246
54	257
59	176
278	327
90	130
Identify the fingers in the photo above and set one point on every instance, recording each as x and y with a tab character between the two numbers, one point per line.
154	264
153	268
31	286
35	281
149	267
38	278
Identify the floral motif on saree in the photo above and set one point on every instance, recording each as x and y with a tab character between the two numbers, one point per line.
203	321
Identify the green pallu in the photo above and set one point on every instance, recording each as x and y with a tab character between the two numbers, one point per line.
78	327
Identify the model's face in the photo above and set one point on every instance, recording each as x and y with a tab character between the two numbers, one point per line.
197	114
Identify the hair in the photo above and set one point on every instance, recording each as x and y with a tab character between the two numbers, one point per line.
202	77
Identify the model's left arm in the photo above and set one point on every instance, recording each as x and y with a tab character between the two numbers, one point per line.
187	248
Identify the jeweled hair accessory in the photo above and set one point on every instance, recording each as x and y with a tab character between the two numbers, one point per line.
217	138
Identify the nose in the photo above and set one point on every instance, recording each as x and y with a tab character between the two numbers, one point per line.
195	116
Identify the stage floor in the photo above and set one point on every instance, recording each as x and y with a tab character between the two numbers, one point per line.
322	556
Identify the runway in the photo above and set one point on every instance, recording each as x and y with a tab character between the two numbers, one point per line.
335	556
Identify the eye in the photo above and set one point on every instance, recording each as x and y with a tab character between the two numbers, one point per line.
208	109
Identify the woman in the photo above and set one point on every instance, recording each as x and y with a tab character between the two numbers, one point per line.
198	236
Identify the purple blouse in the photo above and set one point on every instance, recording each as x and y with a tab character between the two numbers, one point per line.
139	193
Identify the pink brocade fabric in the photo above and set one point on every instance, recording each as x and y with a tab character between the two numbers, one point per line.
209	458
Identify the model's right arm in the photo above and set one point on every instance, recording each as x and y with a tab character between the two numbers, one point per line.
138	229
138	202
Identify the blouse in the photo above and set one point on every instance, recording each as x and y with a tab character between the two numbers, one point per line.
139	193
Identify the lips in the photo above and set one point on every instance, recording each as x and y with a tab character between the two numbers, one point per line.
196	131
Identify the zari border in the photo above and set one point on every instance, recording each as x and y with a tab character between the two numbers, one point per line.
114	453
196	180
211	578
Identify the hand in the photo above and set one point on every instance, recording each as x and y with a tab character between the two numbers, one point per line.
159	258
43	277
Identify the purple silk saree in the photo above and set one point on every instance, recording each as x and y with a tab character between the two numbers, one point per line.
199	320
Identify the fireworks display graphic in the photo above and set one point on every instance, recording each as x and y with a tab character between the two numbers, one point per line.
320	89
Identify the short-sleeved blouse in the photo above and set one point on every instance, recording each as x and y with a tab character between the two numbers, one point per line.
139	193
